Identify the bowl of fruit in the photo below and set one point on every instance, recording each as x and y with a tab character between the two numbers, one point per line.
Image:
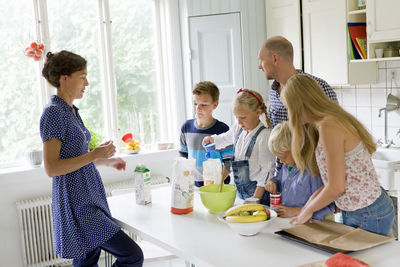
131	146
248	219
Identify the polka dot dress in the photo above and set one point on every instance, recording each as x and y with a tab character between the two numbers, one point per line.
81	217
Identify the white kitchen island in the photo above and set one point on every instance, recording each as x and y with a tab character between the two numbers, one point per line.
200	238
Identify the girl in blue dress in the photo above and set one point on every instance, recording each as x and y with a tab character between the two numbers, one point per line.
82	222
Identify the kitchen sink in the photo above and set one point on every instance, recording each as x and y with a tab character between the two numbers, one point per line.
387	166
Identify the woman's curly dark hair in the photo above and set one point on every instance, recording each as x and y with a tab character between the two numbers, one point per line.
61	63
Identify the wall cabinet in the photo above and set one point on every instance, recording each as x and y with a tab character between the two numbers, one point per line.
383	25
383	20
325	44
283	18
324	40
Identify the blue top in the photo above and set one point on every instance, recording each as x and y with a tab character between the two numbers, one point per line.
81	217
296	190
192	137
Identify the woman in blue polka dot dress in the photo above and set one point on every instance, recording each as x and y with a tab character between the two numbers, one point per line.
82	221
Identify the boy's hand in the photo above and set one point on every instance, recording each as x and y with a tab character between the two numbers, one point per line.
206	140
286	212
271	187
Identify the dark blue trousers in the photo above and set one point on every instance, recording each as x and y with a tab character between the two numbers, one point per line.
121	246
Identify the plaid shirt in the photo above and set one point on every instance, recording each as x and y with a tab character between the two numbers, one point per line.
277	111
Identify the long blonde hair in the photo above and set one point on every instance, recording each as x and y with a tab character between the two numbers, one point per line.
304	98
253	101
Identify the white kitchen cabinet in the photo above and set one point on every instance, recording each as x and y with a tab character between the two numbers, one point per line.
283	18
325	51
383	21
383	26
325	44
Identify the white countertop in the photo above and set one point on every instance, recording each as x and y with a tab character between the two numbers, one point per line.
200	238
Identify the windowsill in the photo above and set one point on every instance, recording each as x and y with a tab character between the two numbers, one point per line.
29	169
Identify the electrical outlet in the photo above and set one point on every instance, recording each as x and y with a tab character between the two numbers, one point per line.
393	75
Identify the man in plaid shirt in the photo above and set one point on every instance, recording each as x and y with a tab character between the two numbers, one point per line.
276	61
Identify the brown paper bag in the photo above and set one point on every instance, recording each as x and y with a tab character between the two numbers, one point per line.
337	235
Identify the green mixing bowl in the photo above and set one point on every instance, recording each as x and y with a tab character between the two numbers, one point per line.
217	202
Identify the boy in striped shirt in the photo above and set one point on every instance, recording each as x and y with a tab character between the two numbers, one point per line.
205	101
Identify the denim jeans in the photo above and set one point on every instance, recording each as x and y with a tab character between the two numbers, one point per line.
127	252
377	217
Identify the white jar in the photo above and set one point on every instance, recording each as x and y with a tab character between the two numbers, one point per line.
34	157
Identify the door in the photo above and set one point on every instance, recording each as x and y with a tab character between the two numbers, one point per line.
283	18
216	56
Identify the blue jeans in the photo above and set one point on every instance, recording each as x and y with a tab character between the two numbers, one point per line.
121	246
377	217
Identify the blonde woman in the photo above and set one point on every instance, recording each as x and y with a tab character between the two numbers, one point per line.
343	149
252	162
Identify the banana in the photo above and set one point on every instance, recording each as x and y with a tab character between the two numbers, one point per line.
259	217
246	213
243	208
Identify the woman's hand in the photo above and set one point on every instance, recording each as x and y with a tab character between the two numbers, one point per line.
286	212
206	140
104	151
116	163
305	216
271	187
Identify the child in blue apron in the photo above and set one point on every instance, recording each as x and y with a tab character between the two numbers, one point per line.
253	163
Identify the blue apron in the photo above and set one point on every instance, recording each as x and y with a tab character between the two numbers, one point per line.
241	172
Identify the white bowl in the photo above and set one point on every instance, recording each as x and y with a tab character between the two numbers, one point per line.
248	229
165	146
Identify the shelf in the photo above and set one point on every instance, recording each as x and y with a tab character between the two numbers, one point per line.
356	12
376	59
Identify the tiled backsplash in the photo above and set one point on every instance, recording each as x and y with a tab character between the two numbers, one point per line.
365	100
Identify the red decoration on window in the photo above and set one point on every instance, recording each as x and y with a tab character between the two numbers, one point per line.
35	50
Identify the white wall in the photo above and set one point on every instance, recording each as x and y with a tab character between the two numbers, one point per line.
28	183
253	35
365	100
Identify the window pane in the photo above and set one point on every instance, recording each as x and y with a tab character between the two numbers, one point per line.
19	88
73	26
134	51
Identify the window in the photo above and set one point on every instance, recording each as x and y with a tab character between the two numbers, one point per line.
73	27
134	51
124	89
19	87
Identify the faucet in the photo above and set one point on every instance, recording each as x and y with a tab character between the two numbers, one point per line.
392	103
386	143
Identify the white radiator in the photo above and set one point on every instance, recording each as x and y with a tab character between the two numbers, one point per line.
36	227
